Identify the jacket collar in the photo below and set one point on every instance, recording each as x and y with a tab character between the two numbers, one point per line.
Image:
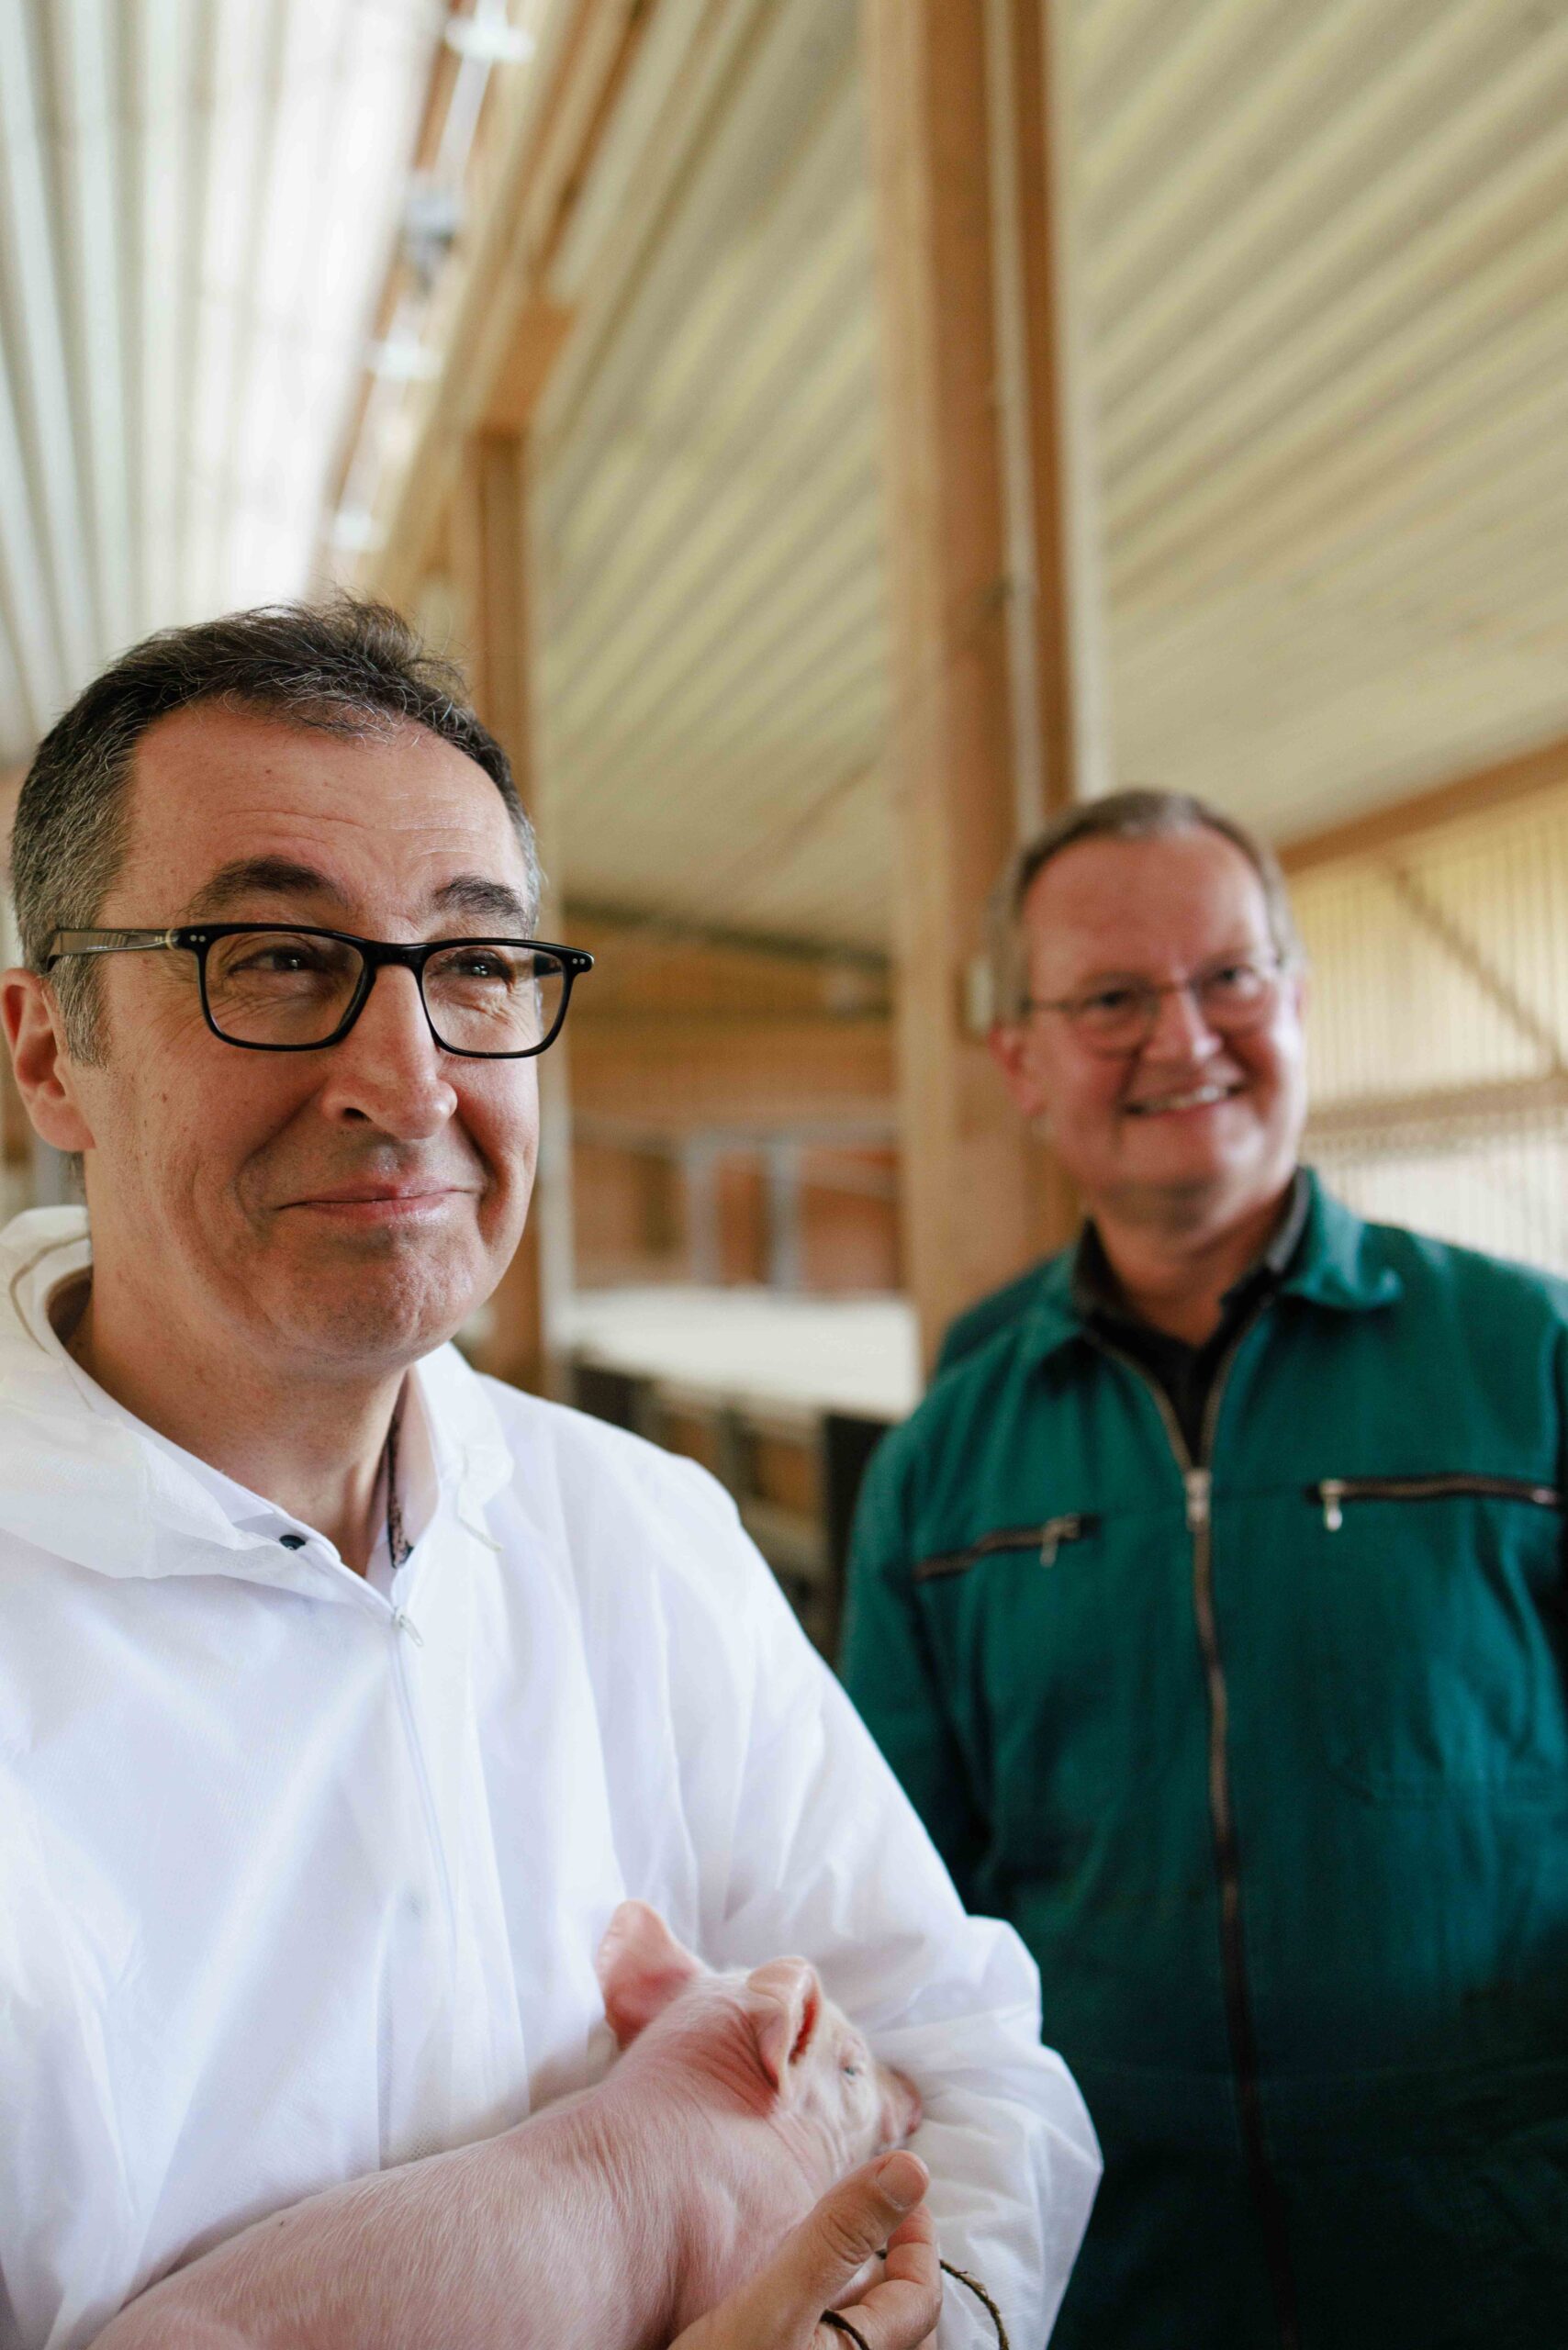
1340	1262
1336	1264
100	1493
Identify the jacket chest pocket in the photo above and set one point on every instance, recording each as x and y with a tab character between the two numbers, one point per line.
1437	1610
1045	1541
1053	1641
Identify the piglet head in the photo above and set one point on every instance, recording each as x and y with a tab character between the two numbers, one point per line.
774	2029
820	2067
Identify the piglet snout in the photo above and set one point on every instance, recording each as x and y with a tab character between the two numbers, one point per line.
901	2108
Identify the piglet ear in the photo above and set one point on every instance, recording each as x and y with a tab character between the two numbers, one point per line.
641	1968
783	2002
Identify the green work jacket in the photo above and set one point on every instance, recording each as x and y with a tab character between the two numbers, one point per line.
1265	1754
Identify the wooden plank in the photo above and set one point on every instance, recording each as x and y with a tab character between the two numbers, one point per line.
531	191
500	617
1424	811
979	1200
668	1074
542	329
487	546
1447	1117
1063	588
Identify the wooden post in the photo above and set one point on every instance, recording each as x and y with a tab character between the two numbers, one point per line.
489	539
988	726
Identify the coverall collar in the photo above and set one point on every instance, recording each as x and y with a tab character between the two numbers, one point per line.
105	1495
1336	1266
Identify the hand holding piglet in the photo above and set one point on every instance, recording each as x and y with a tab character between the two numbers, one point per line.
610	2222
819	2261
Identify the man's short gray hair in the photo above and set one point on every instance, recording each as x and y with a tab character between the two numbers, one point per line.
1132	815
345	667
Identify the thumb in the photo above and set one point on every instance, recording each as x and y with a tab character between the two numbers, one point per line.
817	2262
853	2221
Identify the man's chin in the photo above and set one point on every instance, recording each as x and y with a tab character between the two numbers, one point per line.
386	1312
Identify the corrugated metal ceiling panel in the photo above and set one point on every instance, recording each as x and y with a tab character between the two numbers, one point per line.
1324	266
195	199
708	527
1327	277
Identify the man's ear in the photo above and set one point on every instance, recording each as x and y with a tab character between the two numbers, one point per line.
641	1968
1007	1041
45	1074
784	2004
1298	981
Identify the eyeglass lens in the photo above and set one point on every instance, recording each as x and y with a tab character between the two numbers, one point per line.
1234	998
285	988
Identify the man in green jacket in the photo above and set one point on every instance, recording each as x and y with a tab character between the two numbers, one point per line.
1212	1609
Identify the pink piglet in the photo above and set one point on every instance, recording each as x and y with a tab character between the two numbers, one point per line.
606	2221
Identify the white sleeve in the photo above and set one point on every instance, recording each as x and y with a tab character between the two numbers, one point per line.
813	1847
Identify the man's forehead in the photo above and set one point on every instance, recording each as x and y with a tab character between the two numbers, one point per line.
216	789
1119	898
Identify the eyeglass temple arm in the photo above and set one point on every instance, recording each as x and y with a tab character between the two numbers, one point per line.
104	942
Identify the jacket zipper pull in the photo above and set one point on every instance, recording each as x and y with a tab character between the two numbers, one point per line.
1053	1534
1198	1483
405	1623
1331	1493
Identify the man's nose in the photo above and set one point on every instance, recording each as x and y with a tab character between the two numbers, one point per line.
1180	1029
388	1070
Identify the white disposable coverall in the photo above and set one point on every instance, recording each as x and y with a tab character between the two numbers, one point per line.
300	1878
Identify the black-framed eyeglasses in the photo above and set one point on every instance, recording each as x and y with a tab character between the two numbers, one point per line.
272	990
1231	997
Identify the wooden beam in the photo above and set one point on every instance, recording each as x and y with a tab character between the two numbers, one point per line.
661	934
665	1073
542	329
1447	1117
981	1199
488	553
500	622
1446	803
493	356
1053	557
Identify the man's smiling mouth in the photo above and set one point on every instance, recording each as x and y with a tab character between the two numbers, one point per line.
1196	1097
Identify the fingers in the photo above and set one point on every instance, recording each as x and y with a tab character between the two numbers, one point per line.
853	2221
900	2311
825	2256
780	2308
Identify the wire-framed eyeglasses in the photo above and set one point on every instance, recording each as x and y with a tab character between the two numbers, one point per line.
270	990
1231	997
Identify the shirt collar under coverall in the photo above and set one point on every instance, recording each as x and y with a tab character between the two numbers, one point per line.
300	1878
1186	1373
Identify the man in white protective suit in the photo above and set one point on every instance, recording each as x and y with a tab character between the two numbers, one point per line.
343	1693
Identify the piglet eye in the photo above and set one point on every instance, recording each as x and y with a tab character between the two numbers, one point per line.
851	2070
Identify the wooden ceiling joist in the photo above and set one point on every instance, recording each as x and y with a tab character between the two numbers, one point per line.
504	331
1388	828
986	735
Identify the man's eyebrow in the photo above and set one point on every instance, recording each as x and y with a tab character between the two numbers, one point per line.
244	877
472	895
1244	951
481	899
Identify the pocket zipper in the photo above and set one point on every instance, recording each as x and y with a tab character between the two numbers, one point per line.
1048	1538
1330	1494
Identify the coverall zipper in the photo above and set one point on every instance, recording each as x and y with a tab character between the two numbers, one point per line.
1197	1479
1332	1493
1046	1540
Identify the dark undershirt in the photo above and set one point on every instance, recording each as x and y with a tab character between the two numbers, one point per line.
1184	1374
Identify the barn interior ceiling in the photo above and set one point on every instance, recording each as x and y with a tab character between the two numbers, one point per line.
1323	274
197	202
1323	282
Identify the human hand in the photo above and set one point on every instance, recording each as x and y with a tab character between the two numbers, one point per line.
781	2307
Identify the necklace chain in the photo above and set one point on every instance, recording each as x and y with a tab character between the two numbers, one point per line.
397	1543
